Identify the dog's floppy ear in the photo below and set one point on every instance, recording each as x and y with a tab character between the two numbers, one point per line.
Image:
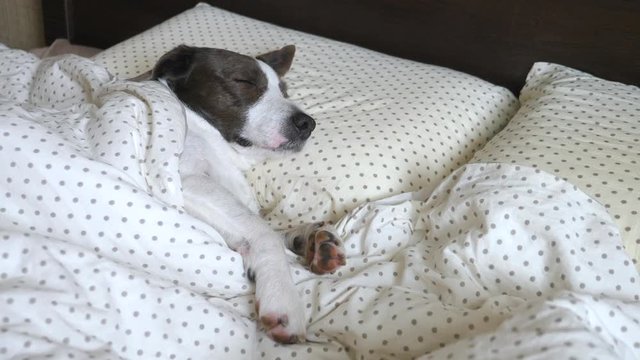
174	65
279	60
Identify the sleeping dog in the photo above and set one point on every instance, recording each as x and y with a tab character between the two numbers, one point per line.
238	113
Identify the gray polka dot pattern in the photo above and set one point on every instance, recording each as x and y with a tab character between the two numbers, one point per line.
97	259
496	255
585	130
17	74
385	125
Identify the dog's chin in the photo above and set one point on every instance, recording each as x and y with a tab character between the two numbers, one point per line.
287	146
291	146
265	152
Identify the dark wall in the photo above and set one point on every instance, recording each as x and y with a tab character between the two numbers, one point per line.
497	40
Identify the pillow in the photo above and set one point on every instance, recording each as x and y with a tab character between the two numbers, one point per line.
384	125
585	130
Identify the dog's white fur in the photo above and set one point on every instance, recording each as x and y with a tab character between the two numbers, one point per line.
263	118
216	191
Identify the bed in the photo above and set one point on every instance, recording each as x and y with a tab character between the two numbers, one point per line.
480	162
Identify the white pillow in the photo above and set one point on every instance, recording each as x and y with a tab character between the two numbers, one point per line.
384	125
583	129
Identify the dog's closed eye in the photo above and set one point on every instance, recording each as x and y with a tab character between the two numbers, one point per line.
244	81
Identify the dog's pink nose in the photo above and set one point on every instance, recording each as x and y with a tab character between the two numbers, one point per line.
304	123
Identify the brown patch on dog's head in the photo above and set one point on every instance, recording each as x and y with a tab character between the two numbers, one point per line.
218	84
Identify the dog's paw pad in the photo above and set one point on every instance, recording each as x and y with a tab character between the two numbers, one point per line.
276	328
281	335
270	321
324	252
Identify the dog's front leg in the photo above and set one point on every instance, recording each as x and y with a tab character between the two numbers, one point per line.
278	303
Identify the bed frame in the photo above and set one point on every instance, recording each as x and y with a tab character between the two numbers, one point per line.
497	40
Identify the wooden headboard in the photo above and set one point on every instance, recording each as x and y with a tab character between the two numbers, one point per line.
497	40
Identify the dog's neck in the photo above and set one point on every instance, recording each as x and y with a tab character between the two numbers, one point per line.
242	157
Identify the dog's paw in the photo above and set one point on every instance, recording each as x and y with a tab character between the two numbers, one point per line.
278	304
277	328
324	252
320	247
283	321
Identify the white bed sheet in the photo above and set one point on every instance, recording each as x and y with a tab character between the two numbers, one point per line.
98	259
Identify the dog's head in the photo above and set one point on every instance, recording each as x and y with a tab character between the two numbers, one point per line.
244	98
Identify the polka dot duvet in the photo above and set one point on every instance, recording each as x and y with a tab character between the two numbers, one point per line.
98	259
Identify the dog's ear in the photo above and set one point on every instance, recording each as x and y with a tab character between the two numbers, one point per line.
174	65
279	60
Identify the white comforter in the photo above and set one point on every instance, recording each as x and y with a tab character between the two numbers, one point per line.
97	257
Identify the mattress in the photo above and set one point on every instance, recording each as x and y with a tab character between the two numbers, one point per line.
445	260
